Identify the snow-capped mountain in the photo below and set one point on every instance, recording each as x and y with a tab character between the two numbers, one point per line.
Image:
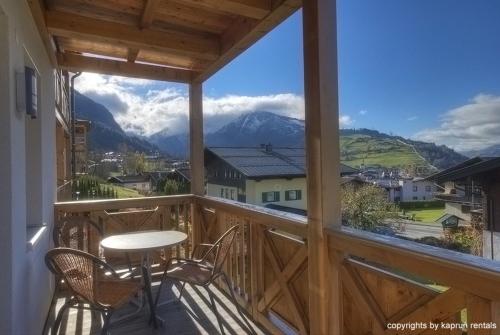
250	129
260	127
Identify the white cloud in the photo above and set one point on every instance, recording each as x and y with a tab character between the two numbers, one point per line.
412	118
363	112
473	126
145	107
345	120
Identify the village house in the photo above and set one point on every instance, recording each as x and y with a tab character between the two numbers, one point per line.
273	177
471	191
141	183
416	189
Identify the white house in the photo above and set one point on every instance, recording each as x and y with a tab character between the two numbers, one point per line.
268	176
417	189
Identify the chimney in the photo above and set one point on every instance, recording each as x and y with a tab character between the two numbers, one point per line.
269	147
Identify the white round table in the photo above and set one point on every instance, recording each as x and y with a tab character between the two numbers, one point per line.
143	242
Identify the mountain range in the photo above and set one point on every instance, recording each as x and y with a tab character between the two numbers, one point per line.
106	134
357	146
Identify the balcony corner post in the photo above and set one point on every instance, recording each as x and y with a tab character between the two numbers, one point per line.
323	162
196	153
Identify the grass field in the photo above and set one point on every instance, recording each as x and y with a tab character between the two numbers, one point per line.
124	192
428	215
356	149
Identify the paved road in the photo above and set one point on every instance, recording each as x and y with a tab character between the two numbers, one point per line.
415	230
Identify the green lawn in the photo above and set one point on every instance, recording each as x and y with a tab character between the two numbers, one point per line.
428	215
356	149
124	192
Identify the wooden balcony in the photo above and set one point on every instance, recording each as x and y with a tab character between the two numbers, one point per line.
380	280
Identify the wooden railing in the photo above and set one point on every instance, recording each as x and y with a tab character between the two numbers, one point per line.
126	215
387	282
268	264
384	281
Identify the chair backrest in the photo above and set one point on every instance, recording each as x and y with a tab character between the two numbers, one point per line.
80	270
77	232
223	245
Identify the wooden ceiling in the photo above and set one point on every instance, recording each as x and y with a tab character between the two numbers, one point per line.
172	40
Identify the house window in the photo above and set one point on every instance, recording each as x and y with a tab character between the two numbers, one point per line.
270	196
428	188
232	194
415	198
415	188
222	192
227	193
293	195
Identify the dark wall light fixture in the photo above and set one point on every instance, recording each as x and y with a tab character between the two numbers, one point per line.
27	92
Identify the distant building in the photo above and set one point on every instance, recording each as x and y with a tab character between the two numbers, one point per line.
417	189
141	183
82	127
471	191
266	176
391	187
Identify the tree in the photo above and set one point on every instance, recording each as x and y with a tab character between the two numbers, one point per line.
366	207
174	187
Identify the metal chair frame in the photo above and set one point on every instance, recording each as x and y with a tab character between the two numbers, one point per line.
216	272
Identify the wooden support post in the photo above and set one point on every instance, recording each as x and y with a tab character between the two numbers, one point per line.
196	154
323	160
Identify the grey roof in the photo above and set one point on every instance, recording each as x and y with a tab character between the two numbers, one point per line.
258	163
471	167
130	179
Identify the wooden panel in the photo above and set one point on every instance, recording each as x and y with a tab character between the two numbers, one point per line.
92	47
37	11
443	266
77	26
73	62
246	31
149	12
256	9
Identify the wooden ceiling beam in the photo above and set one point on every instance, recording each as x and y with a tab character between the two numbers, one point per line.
38	12
244	32
75	63
77	26
132	55
148	13
255	9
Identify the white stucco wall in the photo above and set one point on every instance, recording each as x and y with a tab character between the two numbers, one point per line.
408	194
214	191
25	283
254	190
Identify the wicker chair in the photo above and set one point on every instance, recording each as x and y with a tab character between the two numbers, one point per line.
204	270
78	232
93	281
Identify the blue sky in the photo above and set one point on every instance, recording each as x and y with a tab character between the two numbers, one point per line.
419	68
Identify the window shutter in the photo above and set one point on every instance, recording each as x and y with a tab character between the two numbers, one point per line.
299	194
276	196
287	195
264	197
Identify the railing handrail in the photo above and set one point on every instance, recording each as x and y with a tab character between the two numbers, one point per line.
469	273
93	205
291	223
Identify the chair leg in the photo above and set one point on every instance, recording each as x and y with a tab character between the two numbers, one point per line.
57	322
181	290
163	278
235	302
214	309
149	296
107	318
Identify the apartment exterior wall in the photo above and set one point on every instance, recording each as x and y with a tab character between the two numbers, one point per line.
417	190
254	190
27	175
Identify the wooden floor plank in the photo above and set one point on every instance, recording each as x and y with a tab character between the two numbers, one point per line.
191	315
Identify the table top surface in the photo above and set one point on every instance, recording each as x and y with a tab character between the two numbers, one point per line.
143	241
